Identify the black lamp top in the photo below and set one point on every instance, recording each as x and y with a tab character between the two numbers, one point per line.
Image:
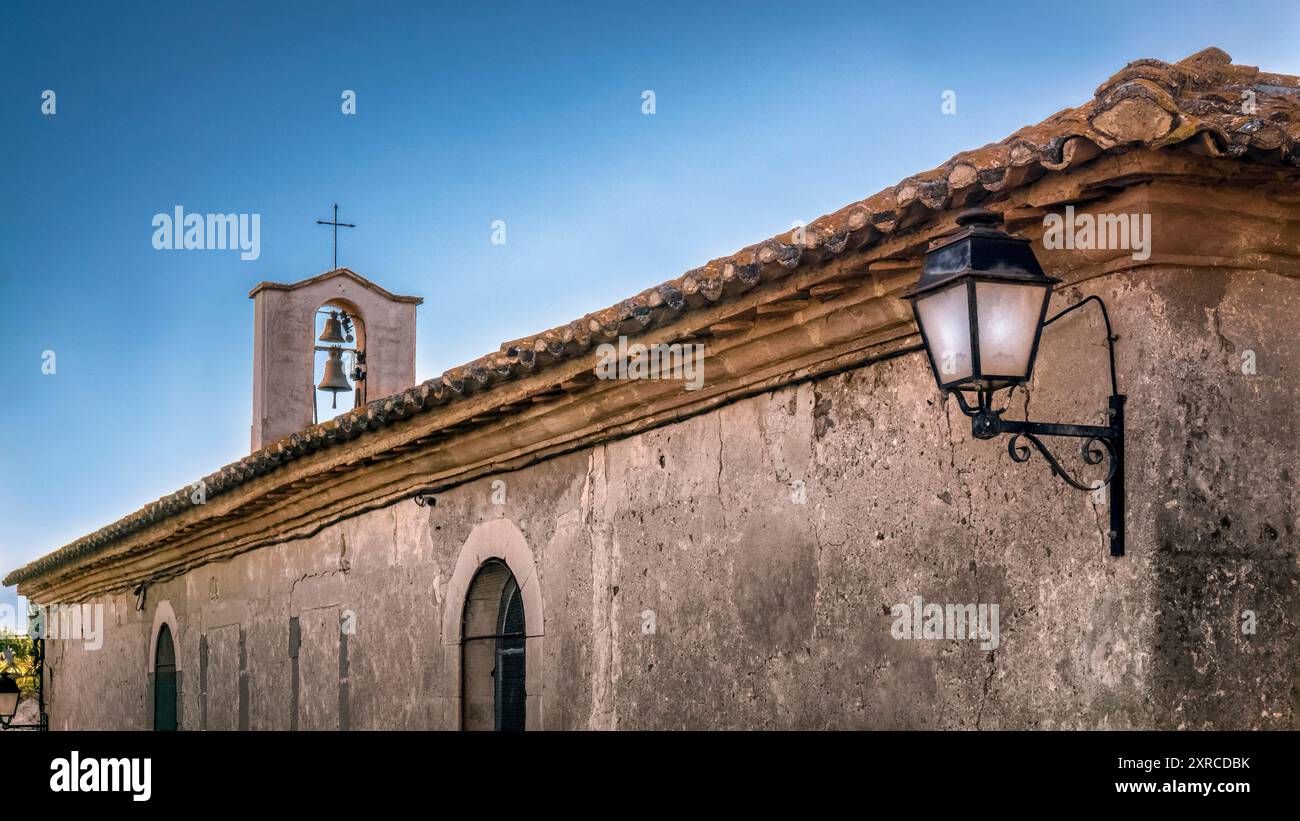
980	247
979	216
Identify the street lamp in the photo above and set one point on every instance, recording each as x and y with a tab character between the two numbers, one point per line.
9	693
981	306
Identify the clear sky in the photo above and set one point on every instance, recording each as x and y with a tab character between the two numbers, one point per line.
466	113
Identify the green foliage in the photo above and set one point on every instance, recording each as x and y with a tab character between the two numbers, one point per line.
24	662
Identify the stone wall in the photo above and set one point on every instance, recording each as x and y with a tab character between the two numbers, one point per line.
766	542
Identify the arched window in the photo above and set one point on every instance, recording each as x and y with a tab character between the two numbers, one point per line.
164	681
492	651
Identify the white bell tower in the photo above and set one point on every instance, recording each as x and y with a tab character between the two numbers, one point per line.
284	347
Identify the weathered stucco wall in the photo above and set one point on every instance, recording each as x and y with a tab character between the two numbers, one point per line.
769	539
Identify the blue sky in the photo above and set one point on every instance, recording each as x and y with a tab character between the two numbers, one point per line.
466	113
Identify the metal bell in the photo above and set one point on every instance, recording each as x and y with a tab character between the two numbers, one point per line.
333	329
335	380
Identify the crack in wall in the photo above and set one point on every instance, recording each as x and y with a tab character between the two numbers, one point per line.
305	576
1102	520
720	446
722	507
397	550
817	586
1216	324
988	681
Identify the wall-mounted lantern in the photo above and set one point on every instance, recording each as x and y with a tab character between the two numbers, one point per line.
981	306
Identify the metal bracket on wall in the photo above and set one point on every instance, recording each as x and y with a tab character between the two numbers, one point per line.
1100	442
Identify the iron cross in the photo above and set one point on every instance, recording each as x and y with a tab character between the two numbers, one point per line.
335	222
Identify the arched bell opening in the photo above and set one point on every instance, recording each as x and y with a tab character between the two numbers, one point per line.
339	339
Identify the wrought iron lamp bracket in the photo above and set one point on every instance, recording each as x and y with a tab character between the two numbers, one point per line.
1100	442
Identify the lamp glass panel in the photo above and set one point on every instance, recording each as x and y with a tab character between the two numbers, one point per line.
1008	315
945	318
8	704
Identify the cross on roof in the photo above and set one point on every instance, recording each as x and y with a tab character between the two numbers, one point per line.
335	222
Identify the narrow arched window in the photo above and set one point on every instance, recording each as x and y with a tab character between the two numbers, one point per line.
510	660
164	681
492	652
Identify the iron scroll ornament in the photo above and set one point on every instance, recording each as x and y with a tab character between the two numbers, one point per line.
1091	456
1101	442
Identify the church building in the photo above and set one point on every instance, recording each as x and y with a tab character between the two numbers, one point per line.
767	515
